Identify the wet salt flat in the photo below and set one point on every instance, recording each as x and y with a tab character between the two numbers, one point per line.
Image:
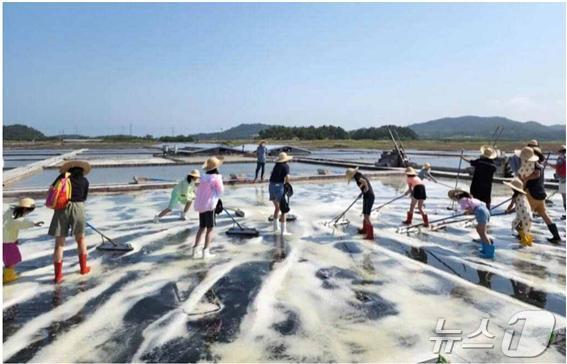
320	294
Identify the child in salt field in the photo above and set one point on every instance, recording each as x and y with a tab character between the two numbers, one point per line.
184	193
208	194
425	173
528	159
367	200
523	221
13	222
417	190
481	213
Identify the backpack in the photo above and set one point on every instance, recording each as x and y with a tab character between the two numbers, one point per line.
59	193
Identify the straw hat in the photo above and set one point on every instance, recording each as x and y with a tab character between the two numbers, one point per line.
517	185
488	152
527	154
195	173
212	163
283	157
27	203
453	193
410	171
533	143
562	149
427	165
75	163
262	142
350	172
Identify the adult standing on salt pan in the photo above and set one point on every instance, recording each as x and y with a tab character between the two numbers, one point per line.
484	169
279	177
261	155
534	186
208	194
367	200
71	217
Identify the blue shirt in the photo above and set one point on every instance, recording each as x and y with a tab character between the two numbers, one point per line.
261	153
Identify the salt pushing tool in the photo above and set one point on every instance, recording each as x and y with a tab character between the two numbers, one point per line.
336	220
239	230
113	246
387	203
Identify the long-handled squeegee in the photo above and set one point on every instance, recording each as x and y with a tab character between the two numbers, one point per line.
109	244
239	230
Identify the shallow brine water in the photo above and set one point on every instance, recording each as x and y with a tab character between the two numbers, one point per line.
320	294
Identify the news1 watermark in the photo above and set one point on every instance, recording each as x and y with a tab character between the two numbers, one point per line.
527	335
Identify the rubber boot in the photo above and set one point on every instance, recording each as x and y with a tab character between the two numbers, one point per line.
408	218
525	239
9	275
58	267
85	269
283	230
553	230
275	225
369	232
488	251
425	220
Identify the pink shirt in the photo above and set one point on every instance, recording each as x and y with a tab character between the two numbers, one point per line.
469	203
208	193
413	181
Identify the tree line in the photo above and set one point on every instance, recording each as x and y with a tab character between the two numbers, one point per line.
335	133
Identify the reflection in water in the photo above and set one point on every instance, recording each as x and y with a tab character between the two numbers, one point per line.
260	193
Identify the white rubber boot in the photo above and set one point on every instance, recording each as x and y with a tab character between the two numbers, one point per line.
182	215
156	219
284	228
193	251
275	223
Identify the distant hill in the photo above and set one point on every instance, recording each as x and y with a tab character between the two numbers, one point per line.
242	131
477	127
21	132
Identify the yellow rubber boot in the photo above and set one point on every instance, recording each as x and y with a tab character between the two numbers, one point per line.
526	239
9	275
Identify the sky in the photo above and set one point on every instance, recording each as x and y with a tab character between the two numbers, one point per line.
183	68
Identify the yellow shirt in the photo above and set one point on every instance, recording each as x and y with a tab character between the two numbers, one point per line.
13	226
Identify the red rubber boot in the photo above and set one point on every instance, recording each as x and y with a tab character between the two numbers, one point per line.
58	267
363	229
369	232
425	220
408	218
85	269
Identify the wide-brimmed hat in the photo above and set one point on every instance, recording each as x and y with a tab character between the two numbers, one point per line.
488	152
27	203
350	172
262	142
562	148
194	173
527	154
427	165
410	171
283	157
453	193
533	143
84	165
517	185
212	163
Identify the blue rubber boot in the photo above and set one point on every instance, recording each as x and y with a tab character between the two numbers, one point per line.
488	251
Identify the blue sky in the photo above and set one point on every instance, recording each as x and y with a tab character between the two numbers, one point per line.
97	68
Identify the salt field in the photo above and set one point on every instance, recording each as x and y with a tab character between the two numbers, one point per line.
319	294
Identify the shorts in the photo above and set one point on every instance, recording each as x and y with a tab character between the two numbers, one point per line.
276	191
71	217
174	200
562	186
11	254
482	215
537	206
367	203
207	219
419	192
